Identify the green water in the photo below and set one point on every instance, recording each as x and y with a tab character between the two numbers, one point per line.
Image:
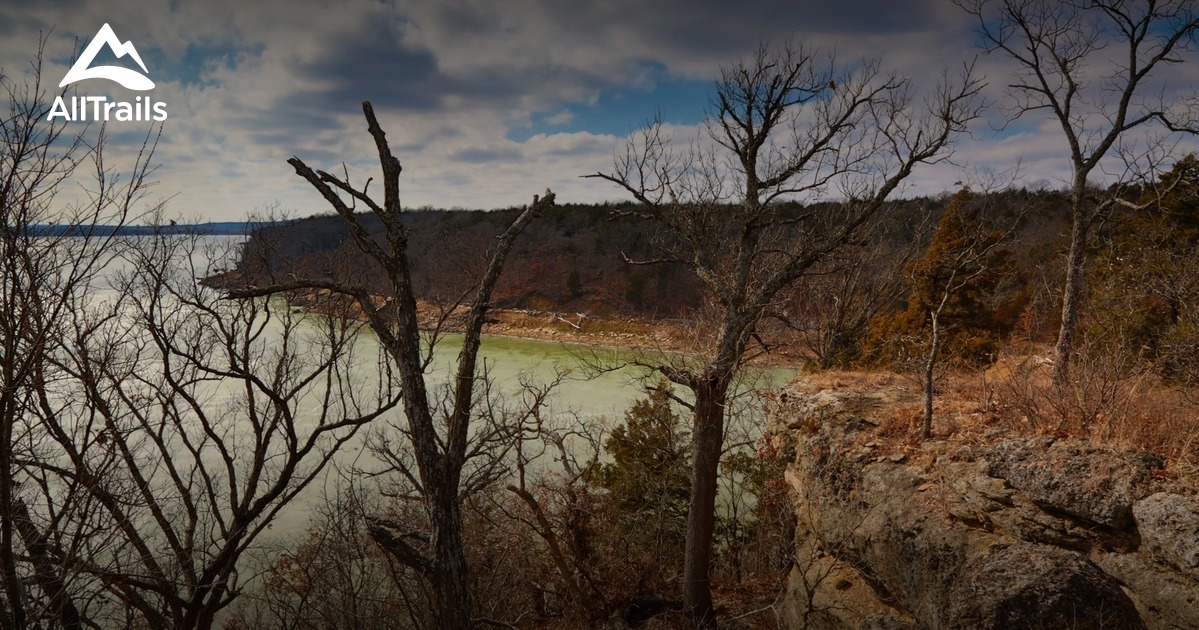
510	363
584	390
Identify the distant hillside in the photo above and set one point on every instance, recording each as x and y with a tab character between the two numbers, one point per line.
220	228
570	260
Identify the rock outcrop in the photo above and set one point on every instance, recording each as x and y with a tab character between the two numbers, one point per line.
1000	533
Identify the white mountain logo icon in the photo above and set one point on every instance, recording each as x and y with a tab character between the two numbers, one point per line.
126	77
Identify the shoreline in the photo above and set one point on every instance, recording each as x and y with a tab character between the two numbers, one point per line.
605	333
629	333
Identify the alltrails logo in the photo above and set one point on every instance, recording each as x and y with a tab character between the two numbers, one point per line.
101	109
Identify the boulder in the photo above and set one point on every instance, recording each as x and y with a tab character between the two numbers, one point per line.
1169	527
1039	586
1092	484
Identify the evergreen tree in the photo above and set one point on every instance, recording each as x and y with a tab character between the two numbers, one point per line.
963	266
649	477
950	312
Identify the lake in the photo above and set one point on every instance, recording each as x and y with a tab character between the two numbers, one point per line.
508	361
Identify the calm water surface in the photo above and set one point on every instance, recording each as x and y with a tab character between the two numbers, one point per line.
509	363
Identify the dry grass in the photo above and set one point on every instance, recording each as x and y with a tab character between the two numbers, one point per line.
1106	405
900	425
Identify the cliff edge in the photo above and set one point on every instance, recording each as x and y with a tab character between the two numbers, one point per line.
1005	532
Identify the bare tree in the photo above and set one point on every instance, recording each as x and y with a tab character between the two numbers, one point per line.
336	578
151	431
1090	64
964	249
439	428
44	273
552	501
831	308
185	424
787	123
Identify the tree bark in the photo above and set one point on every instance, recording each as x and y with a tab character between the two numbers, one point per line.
450	585
15	609
930	367
1072	291
710	395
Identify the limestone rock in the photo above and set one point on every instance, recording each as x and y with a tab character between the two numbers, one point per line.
1169	526
1084	482
1013	533
1164	597
1038	586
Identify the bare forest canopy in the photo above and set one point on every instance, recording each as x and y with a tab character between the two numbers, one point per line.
576	259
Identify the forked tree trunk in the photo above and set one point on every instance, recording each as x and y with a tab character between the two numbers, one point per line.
710	395
439	458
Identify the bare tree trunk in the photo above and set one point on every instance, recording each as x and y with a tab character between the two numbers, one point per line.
450	585
439	451
12	603
710	396
1063	55
721	217
14	609
930	367
44	569
1072	292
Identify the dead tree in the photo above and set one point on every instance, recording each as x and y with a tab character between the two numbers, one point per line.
439	434
787	123
1094	67
831	309
127	495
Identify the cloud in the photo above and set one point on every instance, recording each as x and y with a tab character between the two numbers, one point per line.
485	103
560	118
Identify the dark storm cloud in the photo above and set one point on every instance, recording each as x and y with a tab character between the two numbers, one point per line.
711	28
526	54
537	56
378	62
374	62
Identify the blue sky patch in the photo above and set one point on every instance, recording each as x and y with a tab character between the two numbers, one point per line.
623	109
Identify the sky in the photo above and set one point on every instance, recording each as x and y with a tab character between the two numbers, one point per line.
485	103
